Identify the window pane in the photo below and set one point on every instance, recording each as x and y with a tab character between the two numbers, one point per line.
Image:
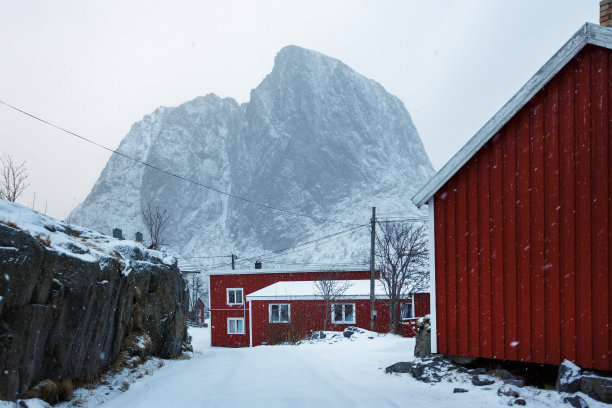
239	296
349	315
274	313
232	326
337	313
239	328
231	296
284	313
406	311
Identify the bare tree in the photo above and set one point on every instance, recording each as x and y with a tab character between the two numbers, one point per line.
13	179
155	220
330	290
197	288
402	257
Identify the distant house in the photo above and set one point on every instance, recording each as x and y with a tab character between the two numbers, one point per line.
252	307
521	215
199	311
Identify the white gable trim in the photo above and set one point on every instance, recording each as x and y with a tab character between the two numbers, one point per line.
588	34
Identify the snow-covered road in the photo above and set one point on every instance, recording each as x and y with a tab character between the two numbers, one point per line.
335	372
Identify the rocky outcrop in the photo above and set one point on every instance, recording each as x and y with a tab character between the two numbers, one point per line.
422	346
64	314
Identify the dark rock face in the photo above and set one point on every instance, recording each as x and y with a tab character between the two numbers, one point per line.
64	317
422	346
480	380
401	367
576	401
599	388
459	390
568	379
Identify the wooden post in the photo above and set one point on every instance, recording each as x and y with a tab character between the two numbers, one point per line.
372	267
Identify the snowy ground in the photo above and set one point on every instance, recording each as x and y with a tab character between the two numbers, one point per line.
334	372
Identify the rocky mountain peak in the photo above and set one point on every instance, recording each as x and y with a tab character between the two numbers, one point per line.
316	137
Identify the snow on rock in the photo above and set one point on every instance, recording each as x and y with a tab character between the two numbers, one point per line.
72	240
71	298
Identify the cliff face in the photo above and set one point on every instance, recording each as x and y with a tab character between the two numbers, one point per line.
69	297
316	137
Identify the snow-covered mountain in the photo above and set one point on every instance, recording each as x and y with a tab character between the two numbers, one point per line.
316	138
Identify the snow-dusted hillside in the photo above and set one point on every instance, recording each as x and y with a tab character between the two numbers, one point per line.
316	137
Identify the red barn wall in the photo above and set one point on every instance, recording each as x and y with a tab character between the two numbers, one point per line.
522	231
309	315
251	282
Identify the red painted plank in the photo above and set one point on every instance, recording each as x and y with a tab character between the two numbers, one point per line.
509	226
484	266
551	222
462	274
583	213
451	270
599	206
473	251
567	214
537	232
609	96
524	242
440	248
497	249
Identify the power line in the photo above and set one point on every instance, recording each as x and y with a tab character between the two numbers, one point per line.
267	255
268	206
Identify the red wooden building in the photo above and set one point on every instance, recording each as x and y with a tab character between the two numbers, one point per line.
232	307
295	308
521	240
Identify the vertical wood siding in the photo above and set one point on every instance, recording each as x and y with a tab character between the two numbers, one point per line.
523	230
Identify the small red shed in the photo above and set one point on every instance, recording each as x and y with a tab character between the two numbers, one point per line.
520	258
200	311
296	309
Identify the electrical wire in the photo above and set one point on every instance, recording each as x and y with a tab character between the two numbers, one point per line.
268	206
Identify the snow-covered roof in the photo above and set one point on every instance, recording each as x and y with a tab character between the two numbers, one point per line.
588	34
306	290
289	270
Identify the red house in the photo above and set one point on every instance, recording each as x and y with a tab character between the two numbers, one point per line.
242	314
521	259
295	308
200	311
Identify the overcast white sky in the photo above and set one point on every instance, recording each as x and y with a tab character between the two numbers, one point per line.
96	67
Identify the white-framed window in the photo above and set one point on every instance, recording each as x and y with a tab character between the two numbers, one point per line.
343	313
407	310
234	296
235	325
279	312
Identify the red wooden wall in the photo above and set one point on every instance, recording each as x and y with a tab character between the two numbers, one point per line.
309	316
522	231
220	311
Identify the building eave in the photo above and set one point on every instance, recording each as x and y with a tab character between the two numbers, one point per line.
587	34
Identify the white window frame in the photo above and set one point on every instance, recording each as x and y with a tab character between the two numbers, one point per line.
279	313
237	319
343	321
411	310
227	299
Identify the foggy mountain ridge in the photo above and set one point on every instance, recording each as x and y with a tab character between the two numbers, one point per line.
315	138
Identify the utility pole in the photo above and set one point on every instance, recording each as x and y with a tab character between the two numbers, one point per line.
234	257
372	268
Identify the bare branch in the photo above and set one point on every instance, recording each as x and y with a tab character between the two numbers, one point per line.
330	289
402	256
155	220
13	178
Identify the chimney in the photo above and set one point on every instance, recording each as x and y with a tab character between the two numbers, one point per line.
258	263
605	13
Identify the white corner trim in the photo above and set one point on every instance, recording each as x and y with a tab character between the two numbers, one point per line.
250	324
587	34
432	277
